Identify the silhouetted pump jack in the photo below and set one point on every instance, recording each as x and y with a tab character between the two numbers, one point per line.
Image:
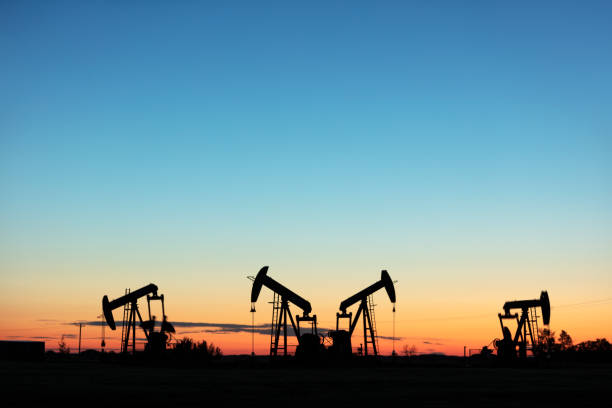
526	332
342	338
156	341
308	343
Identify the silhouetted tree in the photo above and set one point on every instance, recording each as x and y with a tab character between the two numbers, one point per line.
187	349
184	345
565	341
546	342
63	348
599	345
409	351
208	349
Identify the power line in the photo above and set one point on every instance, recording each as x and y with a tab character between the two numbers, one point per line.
481	316
437	319
590	302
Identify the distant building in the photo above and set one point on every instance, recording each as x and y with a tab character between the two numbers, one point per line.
22	350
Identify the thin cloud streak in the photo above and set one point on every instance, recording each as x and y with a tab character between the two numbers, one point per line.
223	328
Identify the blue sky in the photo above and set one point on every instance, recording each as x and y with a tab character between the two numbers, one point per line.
130	130
359	106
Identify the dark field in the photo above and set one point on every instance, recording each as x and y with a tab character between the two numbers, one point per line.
84	383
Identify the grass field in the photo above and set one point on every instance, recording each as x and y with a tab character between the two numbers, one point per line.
86	383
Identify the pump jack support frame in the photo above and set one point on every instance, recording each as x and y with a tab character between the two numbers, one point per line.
523	328
364	313
131	325
281	323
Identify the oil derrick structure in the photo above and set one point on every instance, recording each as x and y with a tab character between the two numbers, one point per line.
309	343
341	339
511	347
156	340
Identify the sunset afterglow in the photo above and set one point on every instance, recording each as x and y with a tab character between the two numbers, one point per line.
464	149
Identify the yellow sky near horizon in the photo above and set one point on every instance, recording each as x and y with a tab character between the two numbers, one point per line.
443	323
465	149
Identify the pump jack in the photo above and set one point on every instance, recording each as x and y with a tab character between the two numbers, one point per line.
512	347
342	338
307	342
156	341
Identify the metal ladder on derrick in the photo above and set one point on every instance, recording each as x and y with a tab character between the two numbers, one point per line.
373	323
276	307
533	317
127	308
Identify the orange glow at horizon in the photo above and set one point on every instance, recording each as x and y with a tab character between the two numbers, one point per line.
466	154
428	332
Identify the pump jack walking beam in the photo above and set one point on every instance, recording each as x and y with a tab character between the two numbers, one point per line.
287	296
524	327
155	340
363	310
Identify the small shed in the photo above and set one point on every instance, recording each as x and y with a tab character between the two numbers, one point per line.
22	350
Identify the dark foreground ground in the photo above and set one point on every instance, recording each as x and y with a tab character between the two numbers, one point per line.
83	383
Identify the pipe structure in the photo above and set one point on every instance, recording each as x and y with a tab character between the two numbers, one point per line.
108	307
262	279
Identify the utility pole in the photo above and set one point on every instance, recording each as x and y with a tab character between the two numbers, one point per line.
80	328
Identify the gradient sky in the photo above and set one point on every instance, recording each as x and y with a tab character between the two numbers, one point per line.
466	148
